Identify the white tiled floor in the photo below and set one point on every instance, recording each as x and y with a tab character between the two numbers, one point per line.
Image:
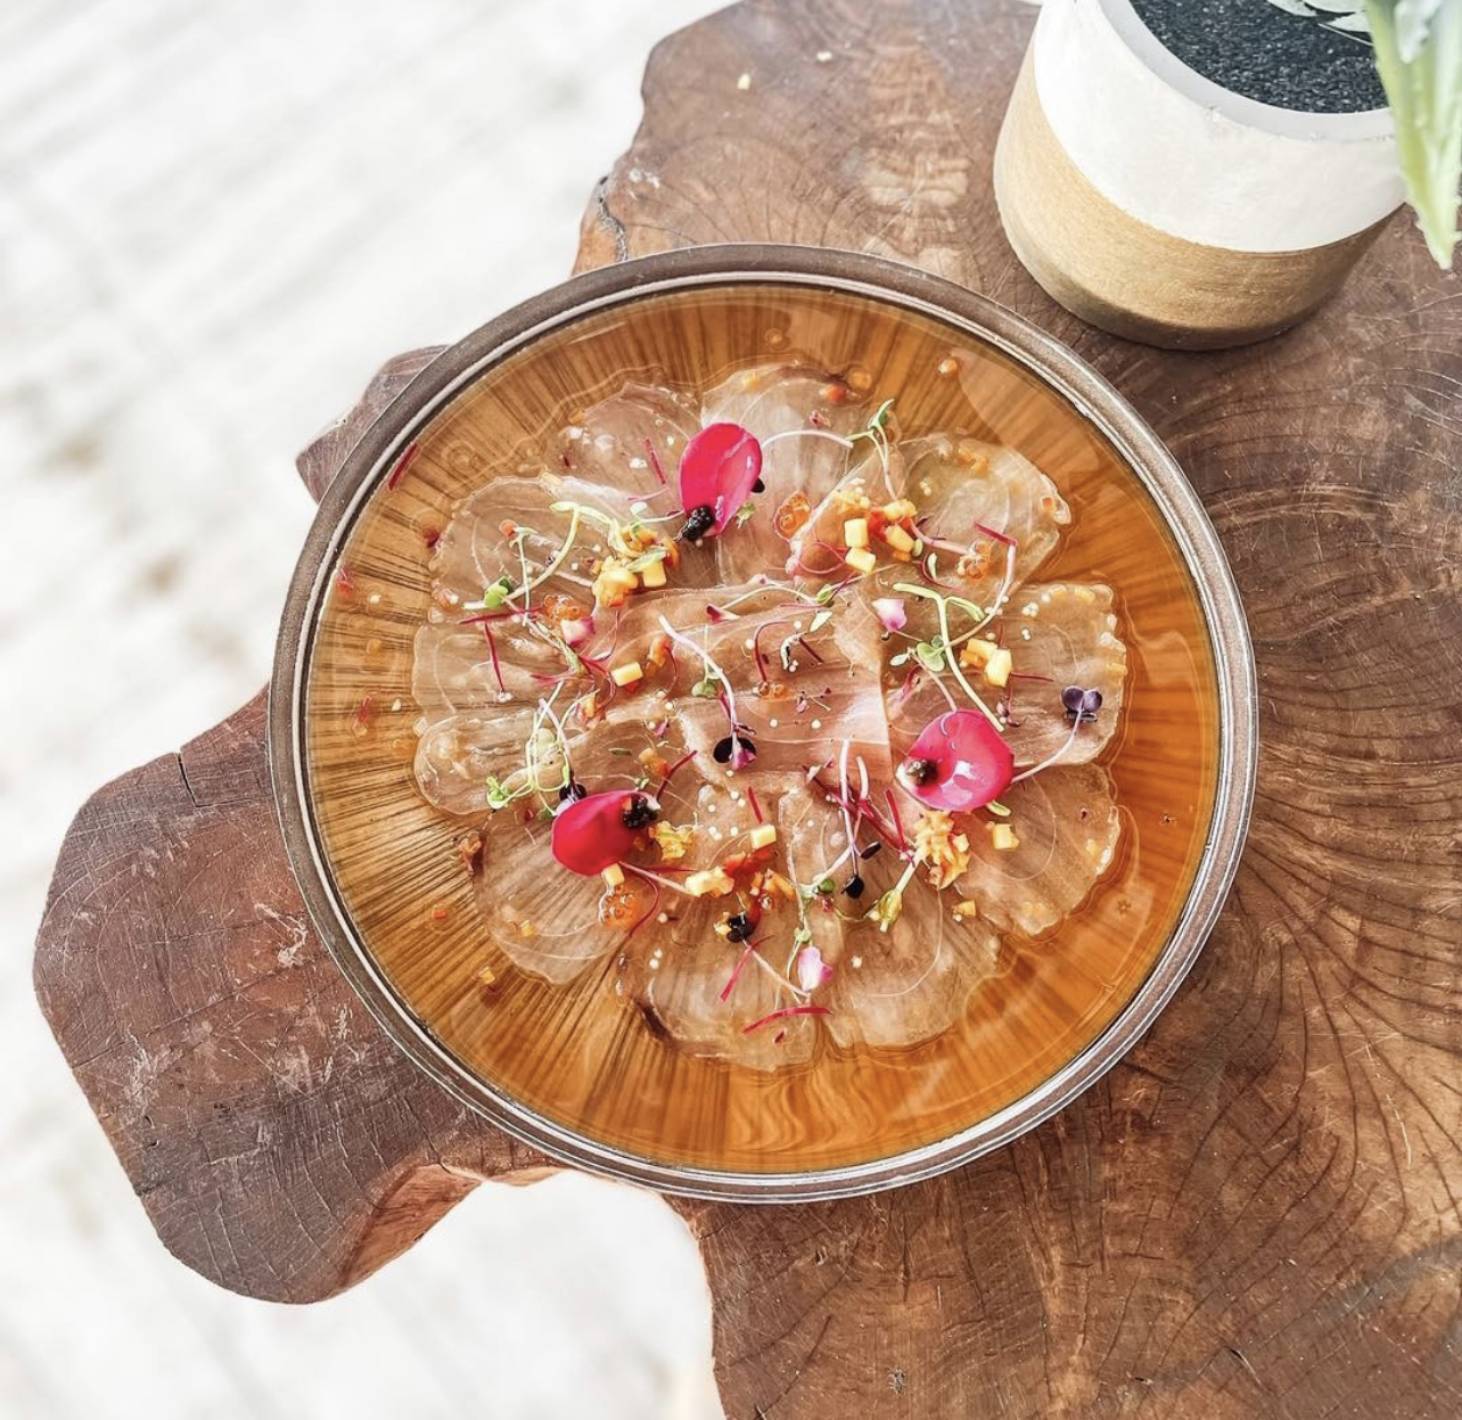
214	221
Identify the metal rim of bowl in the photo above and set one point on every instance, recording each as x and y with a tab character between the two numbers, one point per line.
891	283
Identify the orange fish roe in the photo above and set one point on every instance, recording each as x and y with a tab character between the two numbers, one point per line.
619	906
557	609
792	515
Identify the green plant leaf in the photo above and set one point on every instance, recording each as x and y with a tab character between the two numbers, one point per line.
1422	77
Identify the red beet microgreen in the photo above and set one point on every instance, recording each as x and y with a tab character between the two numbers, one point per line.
407	458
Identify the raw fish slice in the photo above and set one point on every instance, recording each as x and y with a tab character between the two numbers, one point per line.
456	754
1067	822
475	549
887	989
452	667
1072	641
772	400
957	484
826	691
679	981
620	441
815	551
548	920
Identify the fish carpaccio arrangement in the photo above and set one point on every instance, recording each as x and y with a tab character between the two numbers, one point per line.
768	708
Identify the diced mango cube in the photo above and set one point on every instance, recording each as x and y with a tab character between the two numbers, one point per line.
763	834
628	674
897	538
855	532
613	876
1002	838
997	668
712	882
861	560
654	574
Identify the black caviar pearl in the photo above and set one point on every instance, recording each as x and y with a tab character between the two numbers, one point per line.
758	487
640	812
698	522
920	771
573	791
739	928
872	848
854	886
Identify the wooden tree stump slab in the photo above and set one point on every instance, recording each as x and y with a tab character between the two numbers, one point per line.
1256	1214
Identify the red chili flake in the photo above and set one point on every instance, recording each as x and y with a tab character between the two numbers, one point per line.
363	713
755	807
439	913
818	419
344	582
780	1036
497	669
784	1014
402	464
655	462
565	460
431	537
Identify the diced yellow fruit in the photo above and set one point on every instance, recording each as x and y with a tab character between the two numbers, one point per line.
898	510
976	653
763	834
997	668
712	882
1002	838
965	910
627	675
898	539
855	532
613	876
654	574
613	584
861	560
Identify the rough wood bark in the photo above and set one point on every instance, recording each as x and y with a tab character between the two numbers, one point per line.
1256	1214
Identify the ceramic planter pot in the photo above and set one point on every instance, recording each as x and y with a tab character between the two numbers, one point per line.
1162	206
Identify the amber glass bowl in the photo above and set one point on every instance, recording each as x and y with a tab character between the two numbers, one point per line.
573	1069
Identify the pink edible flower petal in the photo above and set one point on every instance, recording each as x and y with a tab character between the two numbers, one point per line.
891	613
972	763
812	971
589	834
718	470
575	633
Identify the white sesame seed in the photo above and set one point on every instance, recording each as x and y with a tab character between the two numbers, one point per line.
817	724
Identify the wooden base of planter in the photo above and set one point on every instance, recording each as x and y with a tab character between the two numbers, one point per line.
1255	1214
1131	279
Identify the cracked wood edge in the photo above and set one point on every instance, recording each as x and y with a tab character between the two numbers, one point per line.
281	1144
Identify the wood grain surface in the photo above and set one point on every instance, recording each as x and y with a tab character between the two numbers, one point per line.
1256	1213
